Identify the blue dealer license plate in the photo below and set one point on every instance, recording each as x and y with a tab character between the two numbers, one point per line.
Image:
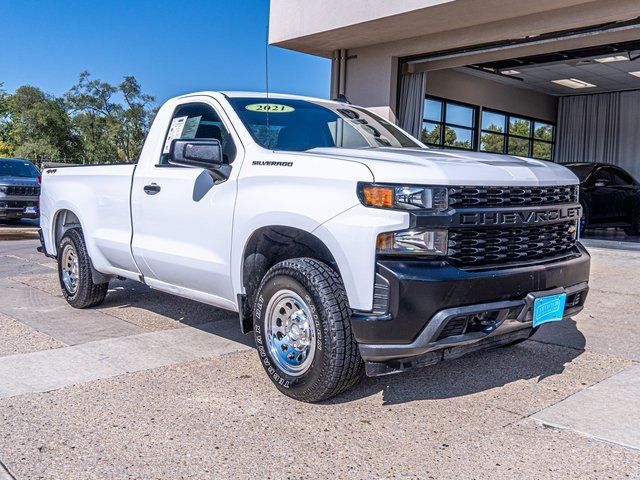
548	309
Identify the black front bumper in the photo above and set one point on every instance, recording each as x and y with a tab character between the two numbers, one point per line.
14	207
425	297
13	213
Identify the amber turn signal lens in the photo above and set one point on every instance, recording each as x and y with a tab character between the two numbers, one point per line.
384	242
378	196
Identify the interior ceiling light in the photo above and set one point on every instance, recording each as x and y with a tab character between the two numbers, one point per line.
510	72
615	58
635	74
573	83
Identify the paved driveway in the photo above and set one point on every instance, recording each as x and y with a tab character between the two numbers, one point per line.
153	386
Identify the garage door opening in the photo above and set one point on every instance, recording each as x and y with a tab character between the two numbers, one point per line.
571	106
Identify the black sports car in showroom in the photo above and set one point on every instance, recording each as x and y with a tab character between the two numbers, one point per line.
610	197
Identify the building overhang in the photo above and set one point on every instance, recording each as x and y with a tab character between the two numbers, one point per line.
319	28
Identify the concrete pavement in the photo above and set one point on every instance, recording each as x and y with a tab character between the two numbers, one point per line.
609	410
153	386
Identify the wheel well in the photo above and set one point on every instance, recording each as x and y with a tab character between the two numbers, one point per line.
64	220
268	246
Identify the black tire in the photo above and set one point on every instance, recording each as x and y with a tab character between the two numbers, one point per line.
633	230
336	365
86	293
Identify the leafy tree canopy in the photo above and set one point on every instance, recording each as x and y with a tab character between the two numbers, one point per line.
94	122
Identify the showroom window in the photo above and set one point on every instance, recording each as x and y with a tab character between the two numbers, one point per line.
516	135
449	124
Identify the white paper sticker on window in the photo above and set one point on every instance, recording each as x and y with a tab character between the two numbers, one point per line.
175	130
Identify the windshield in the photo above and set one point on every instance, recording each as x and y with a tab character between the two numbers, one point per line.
297	125
18	168
580	171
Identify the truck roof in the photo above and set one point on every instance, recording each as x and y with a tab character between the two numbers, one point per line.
236	94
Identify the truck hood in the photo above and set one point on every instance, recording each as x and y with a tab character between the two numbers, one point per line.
452	167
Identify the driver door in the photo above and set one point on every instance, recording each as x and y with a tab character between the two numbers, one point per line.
602	196
182	219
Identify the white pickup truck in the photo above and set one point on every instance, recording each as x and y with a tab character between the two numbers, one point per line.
345	244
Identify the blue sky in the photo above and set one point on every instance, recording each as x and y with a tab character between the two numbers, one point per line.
171	47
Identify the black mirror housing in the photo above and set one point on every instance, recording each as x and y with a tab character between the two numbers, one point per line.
200	152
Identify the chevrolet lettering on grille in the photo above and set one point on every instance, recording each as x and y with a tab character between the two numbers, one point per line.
517	218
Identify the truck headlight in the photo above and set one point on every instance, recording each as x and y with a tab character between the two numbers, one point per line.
413	242
403	197
4	189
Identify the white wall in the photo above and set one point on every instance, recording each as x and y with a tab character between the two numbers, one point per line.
371	77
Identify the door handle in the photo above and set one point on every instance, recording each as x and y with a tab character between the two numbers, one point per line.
151	189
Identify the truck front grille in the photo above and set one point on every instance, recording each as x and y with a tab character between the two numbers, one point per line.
465	197
18	204
23	190
498	245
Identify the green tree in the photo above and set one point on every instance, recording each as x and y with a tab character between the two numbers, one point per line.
432	137
135	117
451	139
6	146
112	120
39	127
493	142
519	146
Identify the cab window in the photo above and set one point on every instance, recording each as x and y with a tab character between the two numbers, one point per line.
197	120
601	175
620	177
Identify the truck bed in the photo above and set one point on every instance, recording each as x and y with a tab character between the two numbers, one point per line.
99	195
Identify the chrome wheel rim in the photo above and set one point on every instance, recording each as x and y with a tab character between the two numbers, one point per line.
291	332
70	269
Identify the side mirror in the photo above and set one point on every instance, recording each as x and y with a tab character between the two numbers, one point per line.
601	183
203	153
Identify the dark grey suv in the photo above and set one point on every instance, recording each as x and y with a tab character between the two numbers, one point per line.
19	189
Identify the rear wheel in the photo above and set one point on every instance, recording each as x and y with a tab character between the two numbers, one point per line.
303	331
74	272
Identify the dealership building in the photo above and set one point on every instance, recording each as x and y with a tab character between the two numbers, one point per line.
550	79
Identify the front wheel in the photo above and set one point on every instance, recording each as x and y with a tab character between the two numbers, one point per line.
74	272
303	331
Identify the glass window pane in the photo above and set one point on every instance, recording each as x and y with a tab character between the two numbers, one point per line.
492	142
621	177
458	137
460	115
193	120
431	133
543	131
519	146
520	126
601	174
542	150
493	121
433	110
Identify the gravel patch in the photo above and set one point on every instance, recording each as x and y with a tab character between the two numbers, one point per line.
222	418
19	338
